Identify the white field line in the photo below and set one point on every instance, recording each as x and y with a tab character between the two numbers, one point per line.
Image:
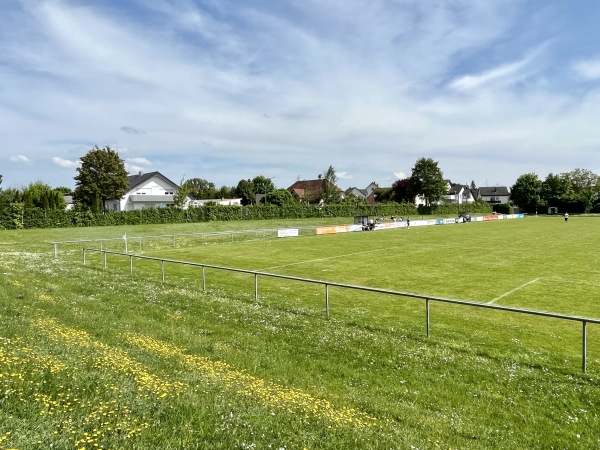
329	257
511	291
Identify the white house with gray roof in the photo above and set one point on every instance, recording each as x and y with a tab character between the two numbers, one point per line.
146	190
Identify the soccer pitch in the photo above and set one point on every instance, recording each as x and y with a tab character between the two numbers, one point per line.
540	264
534	263
94	355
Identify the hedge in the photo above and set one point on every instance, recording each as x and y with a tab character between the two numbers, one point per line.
14	216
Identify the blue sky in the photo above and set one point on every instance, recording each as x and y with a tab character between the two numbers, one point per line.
227	90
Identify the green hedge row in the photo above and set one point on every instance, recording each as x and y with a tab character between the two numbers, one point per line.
15	216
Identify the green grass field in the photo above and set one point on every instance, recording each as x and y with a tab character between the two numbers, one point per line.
101	358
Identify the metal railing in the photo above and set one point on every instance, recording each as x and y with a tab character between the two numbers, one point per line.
327	284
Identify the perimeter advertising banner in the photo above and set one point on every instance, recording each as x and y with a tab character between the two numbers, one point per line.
333	229
287	232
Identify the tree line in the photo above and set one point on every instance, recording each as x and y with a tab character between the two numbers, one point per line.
577	191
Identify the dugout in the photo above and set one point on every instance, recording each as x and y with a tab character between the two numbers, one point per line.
363	220
367	222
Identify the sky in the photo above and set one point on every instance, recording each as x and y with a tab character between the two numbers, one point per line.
228	90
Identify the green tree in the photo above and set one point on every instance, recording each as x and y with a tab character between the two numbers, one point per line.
280	197
42	195
100	177
180	196
245	191
262	186
384	195
330	193
199	188
525	193
428	180
225	192
354	200
585	185
556	189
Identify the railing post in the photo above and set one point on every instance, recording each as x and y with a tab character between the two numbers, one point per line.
104	259
83	256
256	287
327	300
584	347
427	315
162	269
130	263
204	278
55	249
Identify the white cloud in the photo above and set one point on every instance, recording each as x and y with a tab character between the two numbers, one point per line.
132	168
19	159
368	85
64	163
588	69
400	175
139	161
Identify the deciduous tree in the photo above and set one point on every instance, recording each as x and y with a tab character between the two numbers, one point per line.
402	191
280	197
100	177
329	190
262	185
585	185
245	190
525	193
428	180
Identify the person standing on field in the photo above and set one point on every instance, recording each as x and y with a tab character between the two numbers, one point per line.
566	217
408	222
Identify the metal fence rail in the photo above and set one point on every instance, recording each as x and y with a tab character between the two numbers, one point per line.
327	284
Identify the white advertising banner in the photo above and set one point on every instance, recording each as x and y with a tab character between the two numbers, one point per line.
287	232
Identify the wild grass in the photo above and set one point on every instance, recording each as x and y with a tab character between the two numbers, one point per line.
101	358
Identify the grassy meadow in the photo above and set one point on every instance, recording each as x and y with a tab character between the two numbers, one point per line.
101	358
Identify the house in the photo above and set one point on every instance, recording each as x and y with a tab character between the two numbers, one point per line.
69	202
455	194
217	201
459	194
146	190
494	194
367	194
310	191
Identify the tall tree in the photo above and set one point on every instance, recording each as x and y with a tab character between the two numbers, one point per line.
199	188
525	193
428	180
245	190
180	197
262	186
585	185
403	191
101	176
329	190
556	189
